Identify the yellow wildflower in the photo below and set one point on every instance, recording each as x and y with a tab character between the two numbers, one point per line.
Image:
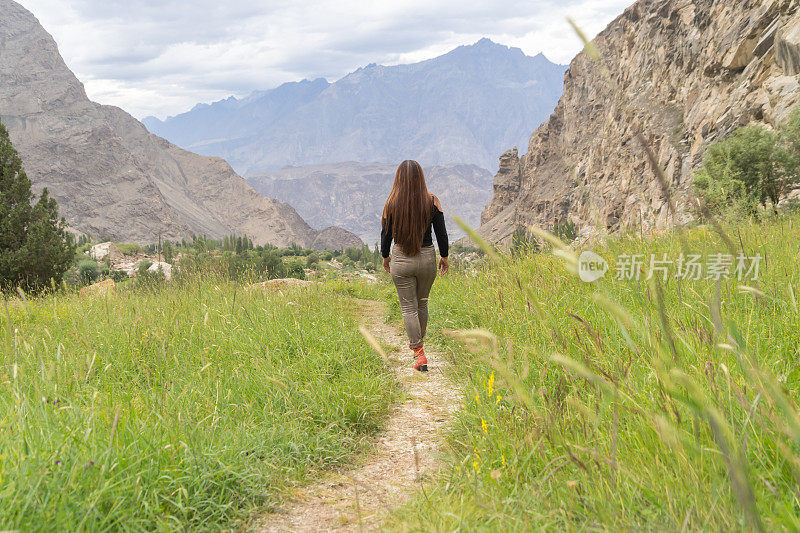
477	466
490	384
483	425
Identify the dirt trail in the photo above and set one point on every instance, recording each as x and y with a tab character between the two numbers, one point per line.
359	499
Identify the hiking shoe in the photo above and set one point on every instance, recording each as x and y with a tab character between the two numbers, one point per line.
420	361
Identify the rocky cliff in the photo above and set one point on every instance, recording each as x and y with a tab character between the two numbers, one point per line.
688	72
110	176
352	195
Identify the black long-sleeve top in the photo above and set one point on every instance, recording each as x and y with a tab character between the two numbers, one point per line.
437	224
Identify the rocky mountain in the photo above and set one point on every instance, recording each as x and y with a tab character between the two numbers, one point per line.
687	72
110	176
352	195
213	128
462	107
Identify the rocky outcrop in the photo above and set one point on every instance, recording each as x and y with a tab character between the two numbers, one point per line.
106	251
687	72
506	184
787	47
110	176
335	238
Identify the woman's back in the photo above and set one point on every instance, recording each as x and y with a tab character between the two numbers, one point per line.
436	225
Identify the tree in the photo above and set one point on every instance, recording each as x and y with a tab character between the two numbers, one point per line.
312	261
35	247
295	270
169	252
273	264
754	166
88	270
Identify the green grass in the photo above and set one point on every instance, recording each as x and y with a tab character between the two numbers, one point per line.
191	407
618	405
580	414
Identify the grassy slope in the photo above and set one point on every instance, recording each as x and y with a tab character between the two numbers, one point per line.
586	419
183	408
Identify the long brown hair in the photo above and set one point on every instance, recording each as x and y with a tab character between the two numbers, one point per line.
408	209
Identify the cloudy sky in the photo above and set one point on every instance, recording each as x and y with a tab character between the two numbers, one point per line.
160	57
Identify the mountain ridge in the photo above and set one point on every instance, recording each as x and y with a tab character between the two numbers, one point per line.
110	176
352	194
464	106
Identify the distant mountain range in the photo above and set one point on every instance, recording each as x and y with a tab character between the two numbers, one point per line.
466	107
351	195
110	176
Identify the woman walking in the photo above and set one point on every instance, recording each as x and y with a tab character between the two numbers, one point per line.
408	216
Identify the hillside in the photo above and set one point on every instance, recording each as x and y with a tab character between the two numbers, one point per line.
110	176
689	72
351	195
463	107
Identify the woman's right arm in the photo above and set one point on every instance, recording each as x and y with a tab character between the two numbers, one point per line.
386	243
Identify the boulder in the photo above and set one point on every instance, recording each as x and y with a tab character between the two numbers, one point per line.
106	250
166	268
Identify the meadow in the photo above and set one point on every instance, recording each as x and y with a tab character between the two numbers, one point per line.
634	404
194	405
622	404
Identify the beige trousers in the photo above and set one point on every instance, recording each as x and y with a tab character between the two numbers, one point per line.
413	277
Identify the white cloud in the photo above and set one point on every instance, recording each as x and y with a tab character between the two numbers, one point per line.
161	57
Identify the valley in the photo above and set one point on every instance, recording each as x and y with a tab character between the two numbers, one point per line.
351	195
211	339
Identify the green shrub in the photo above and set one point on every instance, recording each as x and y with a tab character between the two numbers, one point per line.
295	270
566	231
128	248
87	271
144	264
168	252
312	261
522	244
751	168
118	275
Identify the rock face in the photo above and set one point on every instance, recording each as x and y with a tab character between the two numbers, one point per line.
506	184
352	195
110	176
462	107
688	72
335	238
